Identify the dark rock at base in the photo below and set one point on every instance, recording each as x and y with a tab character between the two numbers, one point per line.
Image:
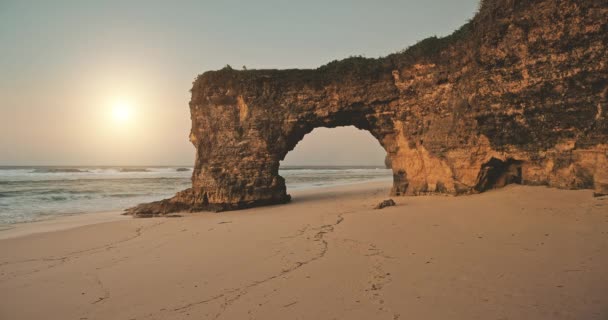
385	203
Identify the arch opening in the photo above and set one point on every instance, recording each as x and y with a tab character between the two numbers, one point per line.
335	156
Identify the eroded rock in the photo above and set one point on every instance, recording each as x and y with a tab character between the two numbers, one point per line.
385	203
518	95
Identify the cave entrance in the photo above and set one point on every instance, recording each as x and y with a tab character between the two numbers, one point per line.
335	156
497	173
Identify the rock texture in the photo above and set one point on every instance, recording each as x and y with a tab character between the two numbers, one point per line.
385	203
517	95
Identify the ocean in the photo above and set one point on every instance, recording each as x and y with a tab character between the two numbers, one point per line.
36	193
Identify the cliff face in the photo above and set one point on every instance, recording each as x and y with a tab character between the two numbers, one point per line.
518	95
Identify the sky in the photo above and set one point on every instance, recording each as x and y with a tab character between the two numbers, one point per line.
107	82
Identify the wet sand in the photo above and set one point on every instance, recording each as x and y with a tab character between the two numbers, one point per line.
515	253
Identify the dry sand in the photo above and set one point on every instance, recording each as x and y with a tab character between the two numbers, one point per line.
515	253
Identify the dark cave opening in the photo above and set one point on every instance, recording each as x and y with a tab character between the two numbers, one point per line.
497	173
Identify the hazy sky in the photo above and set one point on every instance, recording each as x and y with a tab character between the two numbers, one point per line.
65	65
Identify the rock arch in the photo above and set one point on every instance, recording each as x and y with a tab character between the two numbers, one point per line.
517	94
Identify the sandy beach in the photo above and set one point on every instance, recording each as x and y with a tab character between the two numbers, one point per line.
515	253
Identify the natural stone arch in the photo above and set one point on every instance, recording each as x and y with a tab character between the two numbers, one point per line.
516	95
263	138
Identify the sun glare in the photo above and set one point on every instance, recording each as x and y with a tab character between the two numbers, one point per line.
121	111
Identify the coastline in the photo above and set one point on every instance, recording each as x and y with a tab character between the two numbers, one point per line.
59	223
70	221
517	252
29	194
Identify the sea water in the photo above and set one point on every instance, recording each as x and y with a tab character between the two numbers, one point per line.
35	193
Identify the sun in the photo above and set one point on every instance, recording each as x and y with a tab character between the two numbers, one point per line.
122	111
